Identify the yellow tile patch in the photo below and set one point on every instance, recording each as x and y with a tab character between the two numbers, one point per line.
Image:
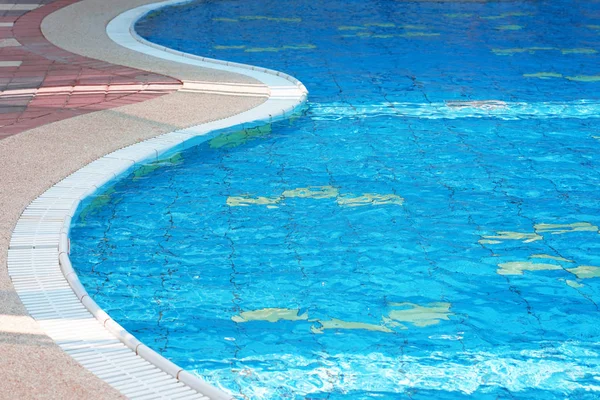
339	324
286	19
420	315
270	315
549	257
276	49
392	35
414	27
458	15
244	201
98	203
485	241
507	235
510	52
149	168
418	34
584	78
531	50
218	47
593	26
506	15
238	138
225	20
517	267
579	51
559	229
543	75
369	199
394	324
585	272
317	192
265	18
300	47
574	284
380	24
262	49
145	170
509	27
312	192
350	28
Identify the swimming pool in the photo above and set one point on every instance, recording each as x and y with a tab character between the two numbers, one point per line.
428	228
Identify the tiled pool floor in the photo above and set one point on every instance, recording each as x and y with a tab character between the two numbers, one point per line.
428	228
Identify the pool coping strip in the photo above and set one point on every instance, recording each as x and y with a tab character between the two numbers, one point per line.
38	260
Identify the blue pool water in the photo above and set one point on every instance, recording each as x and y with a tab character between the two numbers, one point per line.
426	229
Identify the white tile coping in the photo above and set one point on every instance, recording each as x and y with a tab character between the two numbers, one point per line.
38	257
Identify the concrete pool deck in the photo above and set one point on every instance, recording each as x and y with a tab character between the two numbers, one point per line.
70	134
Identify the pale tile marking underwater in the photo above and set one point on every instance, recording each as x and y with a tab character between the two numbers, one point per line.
318	192
415	314
270	315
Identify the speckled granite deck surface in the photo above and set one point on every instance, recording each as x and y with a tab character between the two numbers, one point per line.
429	229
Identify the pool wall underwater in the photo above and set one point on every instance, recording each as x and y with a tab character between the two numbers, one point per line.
39	263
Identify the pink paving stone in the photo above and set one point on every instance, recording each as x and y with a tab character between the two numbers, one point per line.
91	81
61	71
89	89
58	69
8	53
21	73
59	81
7	70
33	114
54	105
9	116
80	103
88	97
95	107
23	33
115	96
125	102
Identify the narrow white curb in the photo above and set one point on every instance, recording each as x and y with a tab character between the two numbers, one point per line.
38	256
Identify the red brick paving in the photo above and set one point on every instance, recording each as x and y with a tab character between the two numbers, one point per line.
52	84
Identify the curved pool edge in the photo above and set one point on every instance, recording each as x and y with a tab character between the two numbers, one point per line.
116	27
39	263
